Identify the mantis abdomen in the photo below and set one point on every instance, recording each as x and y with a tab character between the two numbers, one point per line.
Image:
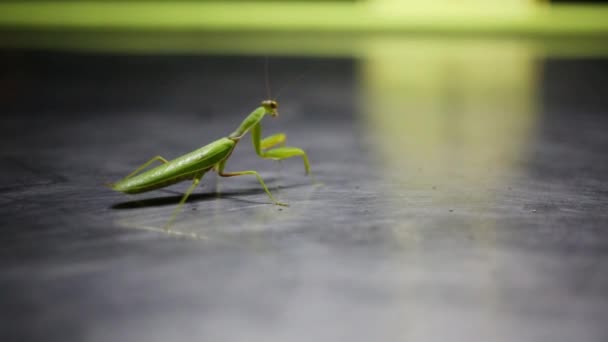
183	168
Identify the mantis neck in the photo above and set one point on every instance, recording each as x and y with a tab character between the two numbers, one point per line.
248	123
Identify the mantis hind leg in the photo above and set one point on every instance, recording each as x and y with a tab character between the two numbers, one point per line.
195	183
146	164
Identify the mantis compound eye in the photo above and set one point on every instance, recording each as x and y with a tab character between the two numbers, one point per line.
271	106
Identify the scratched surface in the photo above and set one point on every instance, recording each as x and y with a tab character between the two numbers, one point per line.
388	249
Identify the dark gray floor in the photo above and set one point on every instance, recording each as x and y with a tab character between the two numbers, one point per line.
374	254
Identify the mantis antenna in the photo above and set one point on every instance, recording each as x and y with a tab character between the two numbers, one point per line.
284	85
267	79
294	80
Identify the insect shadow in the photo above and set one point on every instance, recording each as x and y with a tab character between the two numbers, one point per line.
170	200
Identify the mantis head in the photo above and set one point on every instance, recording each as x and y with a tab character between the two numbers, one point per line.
271	107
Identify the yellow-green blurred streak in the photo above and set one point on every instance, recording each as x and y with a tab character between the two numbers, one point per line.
449	123
271	43
453	115
360	16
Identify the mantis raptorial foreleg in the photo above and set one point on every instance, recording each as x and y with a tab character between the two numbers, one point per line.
195	182
273	140
220	171
146	164
260	145
280	153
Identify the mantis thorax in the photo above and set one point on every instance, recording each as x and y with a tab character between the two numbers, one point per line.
267	107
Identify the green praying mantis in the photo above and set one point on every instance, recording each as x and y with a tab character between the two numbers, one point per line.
213	157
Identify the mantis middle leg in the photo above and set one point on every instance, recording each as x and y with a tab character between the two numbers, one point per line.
220	171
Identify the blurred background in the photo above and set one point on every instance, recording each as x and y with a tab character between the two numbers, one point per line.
461	147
